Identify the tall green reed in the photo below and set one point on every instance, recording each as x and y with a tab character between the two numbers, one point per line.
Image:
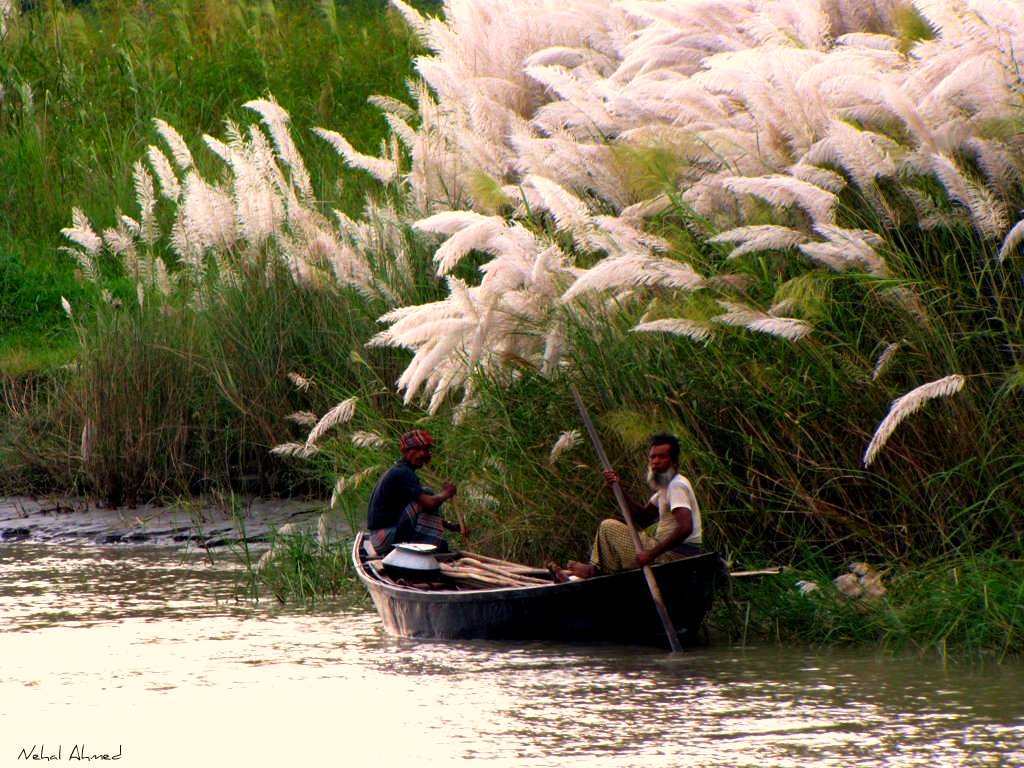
298	567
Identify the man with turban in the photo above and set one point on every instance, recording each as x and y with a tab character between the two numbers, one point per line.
404	510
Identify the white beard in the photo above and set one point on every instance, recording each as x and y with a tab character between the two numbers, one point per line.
659	482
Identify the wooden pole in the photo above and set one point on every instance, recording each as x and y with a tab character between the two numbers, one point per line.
463	528
652	584
456	506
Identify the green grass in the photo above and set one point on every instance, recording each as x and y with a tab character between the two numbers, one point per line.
963	607
83	84
298	568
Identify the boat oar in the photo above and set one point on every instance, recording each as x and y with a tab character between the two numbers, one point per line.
463	528
652	584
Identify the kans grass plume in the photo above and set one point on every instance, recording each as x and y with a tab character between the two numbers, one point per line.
339	414
907	404
566	441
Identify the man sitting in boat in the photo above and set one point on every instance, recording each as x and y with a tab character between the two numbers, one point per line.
404	510
673	505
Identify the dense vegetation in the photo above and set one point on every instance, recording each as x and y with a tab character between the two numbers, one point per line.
82	83
229	290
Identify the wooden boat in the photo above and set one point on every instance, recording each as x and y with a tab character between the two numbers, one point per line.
615	608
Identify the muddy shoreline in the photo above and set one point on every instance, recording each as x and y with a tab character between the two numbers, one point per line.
193	523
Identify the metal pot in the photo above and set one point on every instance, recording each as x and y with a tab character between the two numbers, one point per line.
413	562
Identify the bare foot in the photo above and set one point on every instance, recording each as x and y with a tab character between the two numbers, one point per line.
582	570
558	574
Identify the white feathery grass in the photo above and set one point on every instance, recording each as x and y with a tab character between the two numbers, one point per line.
884	359
692	329
560	106
145	195
467	233
169	186
362	439
66	306
863	154
385	171
277	120
762	237
257	183
415	20
265	560
345	483
846	249
218	147
998	163
206	218
82	234
565	442
162	277
88	440
988	214
636	270
869	40
180	152
339	414
321	527
570	213
745	317
392	106
451	222
119	241
907	404
295	450
830	181
131	225
299	381
90	244
303	418
1012	241
783	191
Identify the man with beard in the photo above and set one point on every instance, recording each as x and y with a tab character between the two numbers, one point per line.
404	510
673	505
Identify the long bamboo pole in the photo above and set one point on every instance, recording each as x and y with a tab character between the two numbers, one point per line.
652	584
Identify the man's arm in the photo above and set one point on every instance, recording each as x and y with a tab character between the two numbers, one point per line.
434	500
643	515
684	517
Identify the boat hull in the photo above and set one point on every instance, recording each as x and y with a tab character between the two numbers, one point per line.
615	608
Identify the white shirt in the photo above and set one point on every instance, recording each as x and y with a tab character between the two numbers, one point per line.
679	493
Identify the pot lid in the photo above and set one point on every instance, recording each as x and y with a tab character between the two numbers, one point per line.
416	547
415	557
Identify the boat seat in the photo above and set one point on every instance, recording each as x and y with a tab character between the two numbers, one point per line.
372	559
368	547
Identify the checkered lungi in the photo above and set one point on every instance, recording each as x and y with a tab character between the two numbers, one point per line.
415	525
614	551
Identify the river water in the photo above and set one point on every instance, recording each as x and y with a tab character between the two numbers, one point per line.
145	653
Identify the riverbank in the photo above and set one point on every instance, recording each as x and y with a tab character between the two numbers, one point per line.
965	608
193	524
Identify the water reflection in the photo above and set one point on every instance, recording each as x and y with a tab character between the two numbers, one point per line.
150	651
